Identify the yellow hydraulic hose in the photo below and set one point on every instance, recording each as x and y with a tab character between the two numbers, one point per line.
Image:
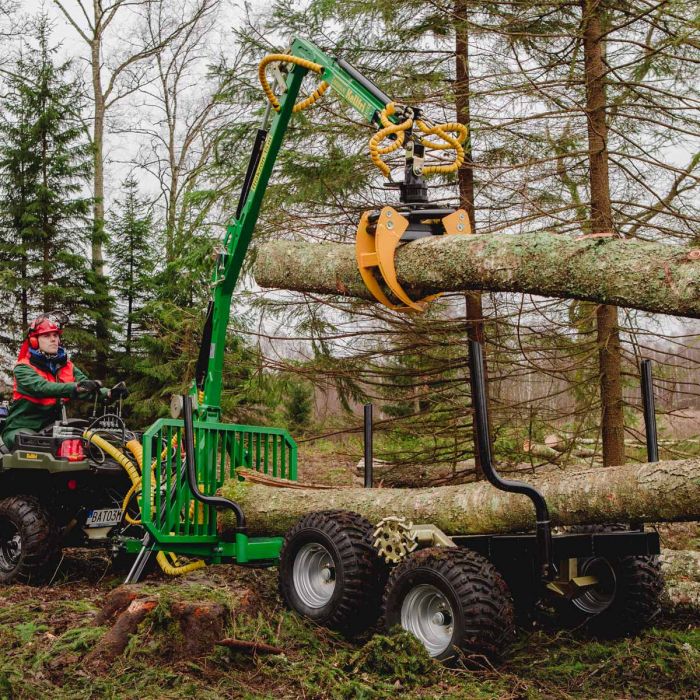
177	569
448	142
286	58
136	449
375	151
115	453
174	569
134	489
442	131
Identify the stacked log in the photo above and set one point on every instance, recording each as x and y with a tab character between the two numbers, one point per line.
664	491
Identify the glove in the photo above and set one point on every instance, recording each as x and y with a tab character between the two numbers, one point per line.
119	391
87	387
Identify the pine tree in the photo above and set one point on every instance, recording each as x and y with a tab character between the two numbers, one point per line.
45	163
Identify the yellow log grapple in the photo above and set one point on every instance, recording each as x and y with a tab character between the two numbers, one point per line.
379	233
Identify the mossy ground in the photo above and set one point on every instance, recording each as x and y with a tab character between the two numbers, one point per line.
46	633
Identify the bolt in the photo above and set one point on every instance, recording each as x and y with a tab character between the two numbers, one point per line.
390	224
438	618
461	216
460	227
387	212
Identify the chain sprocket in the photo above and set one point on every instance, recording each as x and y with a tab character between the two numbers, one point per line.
394	538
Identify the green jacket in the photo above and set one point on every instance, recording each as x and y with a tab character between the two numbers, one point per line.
25	415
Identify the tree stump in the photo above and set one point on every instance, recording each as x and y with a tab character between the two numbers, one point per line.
169	621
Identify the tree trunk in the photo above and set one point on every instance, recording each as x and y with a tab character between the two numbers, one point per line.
664	491
608	336
99	285
648	276
465	178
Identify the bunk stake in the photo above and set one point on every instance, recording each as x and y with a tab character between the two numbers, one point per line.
368	446
542	524
649	411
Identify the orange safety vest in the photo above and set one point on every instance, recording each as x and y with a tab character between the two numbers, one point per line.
65	374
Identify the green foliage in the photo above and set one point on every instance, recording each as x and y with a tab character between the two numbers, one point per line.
396	656
298	405
45	161
25	631
132	251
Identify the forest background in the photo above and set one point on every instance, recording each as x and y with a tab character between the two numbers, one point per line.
125	129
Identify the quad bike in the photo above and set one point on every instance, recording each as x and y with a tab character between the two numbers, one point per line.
59	489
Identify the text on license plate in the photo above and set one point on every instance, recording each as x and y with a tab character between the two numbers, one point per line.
104	517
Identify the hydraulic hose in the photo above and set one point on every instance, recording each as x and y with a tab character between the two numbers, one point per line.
297	60
174	569
115	453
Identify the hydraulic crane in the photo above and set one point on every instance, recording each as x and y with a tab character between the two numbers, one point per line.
379	233
404	126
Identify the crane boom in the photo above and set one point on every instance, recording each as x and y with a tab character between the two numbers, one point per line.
356	91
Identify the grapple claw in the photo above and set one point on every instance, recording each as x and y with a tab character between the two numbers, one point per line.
377	249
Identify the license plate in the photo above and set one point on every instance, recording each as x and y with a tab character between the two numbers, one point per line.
104	517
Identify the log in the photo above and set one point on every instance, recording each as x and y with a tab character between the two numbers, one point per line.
649	276
556	452
664	491
681	565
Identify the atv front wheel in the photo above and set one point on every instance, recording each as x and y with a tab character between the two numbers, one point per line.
28	544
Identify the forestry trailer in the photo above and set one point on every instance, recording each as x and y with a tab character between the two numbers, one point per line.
457	593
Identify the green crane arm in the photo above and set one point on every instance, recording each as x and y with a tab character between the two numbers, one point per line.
354	89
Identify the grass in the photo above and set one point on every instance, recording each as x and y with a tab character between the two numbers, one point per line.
45	635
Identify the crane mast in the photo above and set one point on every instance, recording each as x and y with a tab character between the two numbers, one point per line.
356	91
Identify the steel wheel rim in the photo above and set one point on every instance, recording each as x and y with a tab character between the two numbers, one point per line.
10	547
313	575
599	598
427	614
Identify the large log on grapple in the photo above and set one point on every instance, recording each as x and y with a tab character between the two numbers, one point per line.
663	491
636	274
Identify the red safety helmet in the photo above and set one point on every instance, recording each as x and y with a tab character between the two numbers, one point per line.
46	323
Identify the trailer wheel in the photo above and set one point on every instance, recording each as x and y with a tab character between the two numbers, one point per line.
330	572
28	547
624	602
451	600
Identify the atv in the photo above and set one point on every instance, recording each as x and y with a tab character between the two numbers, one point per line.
58	489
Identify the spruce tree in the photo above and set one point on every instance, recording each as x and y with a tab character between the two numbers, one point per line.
45	163
132	259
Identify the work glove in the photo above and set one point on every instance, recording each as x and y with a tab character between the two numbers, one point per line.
85	387
119	391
